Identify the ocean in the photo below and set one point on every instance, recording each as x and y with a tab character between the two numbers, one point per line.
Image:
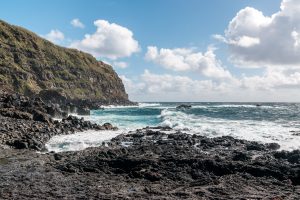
269	122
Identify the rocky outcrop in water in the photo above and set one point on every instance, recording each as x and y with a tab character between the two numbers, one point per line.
183	106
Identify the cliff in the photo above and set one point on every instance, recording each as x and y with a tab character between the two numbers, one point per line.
33	66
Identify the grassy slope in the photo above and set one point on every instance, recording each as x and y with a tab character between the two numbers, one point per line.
29	64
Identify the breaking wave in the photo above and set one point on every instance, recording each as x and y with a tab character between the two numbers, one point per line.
272	122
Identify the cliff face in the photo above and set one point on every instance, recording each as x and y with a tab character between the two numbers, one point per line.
31	66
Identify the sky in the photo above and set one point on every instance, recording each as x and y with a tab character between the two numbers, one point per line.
179	50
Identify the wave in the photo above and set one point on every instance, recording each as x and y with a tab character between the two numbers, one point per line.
159	105
261	131
114	106
235	106
268	123
142	105
80	141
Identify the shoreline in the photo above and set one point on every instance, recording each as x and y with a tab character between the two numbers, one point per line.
149	163
154	162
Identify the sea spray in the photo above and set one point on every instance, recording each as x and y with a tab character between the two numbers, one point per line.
270	122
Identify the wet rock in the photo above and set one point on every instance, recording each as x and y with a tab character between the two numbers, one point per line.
57	156
219	168
254	146
240	156
41	117
273	146
18	144
83	111
295	133
184	106
55	111
109	126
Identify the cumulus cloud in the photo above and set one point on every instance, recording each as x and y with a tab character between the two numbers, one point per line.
274	85
77	23
243	41
110	40
183	59
256	40
166	87
55	36
120	64
273	79
133	88
156	83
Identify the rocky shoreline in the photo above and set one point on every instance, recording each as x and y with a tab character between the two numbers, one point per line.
28	124
150	163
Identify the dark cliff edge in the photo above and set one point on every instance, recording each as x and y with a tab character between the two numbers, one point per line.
33	66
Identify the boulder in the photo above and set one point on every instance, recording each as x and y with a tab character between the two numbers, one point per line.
55	111
273	146
108	126
184	106
83	111
20	144
41	117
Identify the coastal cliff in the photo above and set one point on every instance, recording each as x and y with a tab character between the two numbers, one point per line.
33	66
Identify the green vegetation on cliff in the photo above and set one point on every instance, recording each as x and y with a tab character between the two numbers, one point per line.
30	64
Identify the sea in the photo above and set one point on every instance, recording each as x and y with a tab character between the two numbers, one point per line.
261	122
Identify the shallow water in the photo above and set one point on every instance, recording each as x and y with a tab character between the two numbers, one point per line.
270	122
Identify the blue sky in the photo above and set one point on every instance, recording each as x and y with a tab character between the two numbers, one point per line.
177	50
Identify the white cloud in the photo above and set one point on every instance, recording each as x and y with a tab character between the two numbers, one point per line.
120	64
295	35
110	40
166	87
274	85
55	36
256	40
77	23
246	41
273	79
133	88
169	83
182	59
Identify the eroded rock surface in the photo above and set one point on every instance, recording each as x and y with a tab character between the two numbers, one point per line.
150	164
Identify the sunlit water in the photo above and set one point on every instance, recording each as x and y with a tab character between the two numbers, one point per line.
270	122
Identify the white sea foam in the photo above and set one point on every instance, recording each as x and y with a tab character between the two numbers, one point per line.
240	106
80	141
140	105
114	106
279	130
261	131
